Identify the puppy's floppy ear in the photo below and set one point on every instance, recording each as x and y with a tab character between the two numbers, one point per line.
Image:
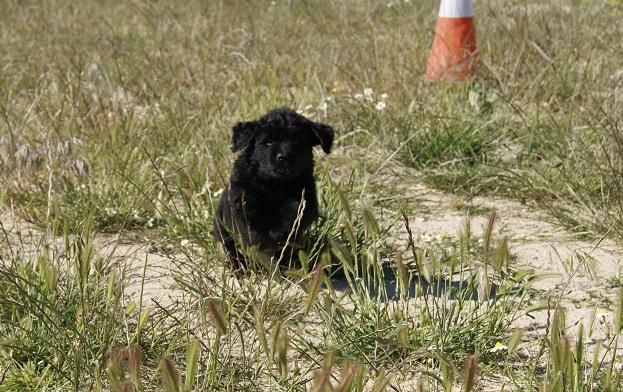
324	136
243	133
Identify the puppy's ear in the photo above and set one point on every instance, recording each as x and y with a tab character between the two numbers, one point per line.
324	136
243	134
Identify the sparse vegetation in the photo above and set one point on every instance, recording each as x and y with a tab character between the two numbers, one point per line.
115	124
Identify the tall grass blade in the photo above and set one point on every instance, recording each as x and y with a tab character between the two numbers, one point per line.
193	353
169	374
515	339
489	233
501	258
470	371
618	316
314	286
321	381
346	378
135	358
381	382
402	275
261	331
213	309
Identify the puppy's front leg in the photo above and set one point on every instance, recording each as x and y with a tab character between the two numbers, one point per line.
286	220
244	204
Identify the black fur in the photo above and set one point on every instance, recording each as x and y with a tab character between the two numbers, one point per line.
274	170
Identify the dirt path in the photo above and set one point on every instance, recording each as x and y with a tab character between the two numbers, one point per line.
537	243
148	269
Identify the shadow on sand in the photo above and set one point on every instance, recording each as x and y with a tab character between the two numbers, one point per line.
438	287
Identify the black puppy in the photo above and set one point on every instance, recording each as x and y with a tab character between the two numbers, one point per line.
272	183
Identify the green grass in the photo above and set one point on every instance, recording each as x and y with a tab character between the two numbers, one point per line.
115	119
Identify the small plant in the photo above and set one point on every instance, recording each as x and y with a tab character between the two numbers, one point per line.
61	312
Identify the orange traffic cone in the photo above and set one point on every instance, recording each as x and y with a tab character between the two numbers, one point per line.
453	55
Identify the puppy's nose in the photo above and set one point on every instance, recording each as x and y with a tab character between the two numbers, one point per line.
283	157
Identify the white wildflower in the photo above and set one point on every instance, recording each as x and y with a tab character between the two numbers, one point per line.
443	237
602	314
380	105
184	243
368	92
498	347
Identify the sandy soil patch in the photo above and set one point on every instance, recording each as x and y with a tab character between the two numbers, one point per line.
537	243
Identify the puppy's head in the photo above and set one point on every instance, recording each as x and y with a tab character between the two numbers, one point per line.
279	144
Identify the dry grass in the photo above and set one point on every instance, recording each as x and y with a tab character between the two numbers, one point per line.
115	117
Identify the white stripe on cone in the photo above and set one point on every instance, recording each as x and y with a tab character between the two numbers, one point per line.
456	9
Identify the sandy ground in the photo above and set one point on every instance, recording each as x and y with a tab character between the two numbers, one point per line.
538	244
535	243
148	267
